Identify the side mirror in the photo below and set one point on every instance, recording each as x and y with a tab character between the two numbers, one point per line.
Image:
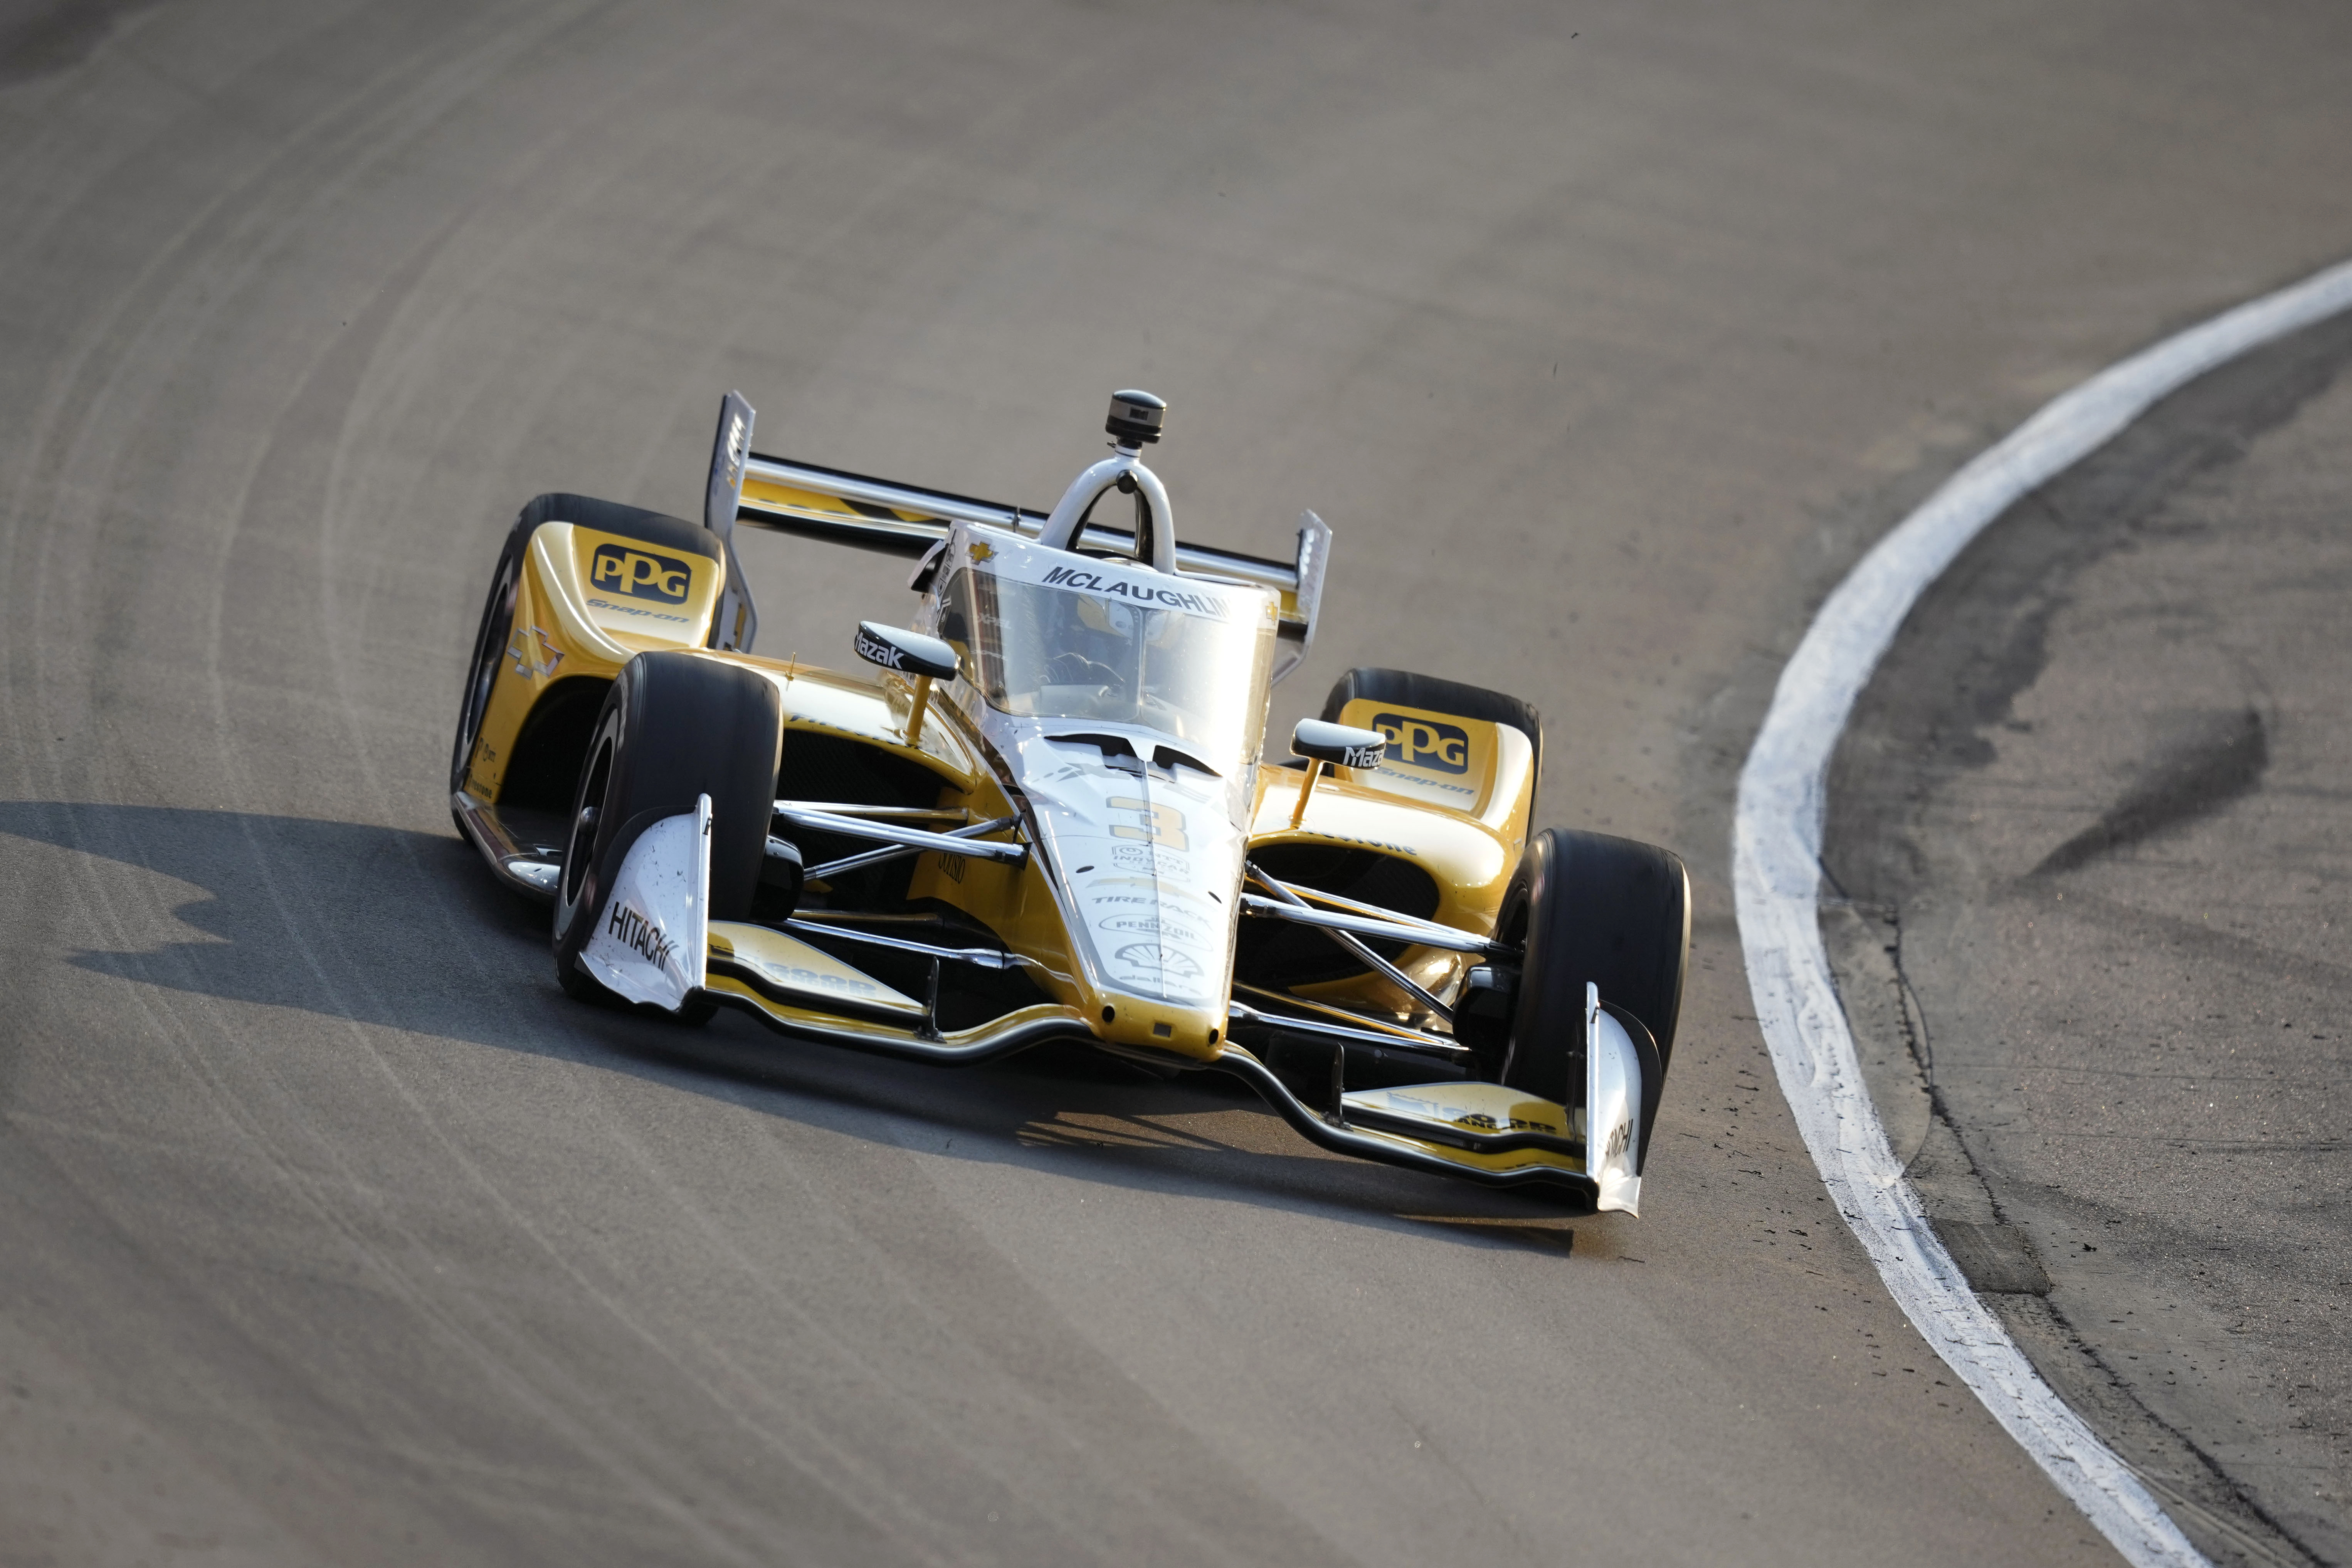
908	653
1338	744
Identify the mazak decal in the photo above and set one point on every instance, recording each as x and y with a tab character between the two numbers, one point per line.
873	650
617	569
1087	582
1425	742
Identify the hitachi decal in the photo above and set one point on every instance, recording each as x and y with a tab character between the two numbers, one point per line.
631	926
1145	593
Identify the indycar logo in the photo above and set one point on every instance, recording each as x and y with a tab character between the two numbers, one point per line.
638	933
1141	858
617	569
1425	742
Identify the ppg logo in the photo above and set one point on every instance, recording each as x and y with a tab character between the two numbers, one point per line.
617	569
1425	744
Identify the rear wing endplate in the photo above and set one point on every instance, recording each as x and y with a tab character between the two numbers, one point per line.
906	520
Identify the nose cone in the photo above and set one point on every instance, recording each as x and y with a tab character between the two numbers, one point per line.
1160	1027
1149	863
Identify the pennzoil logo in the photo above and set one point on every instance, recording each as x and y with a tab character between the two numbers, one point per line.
1425	742
617	569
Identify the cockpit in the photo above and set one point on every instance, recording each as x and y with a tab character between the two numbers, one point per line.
1187	660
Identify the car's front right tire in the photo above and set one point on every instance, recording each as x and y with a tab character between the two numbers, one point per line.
1589	907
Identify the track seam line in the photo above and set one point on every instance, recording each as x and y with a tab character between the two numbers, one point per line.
1777	873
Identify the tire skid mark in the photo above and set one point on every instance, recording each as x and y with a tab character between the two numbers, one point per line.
1777	878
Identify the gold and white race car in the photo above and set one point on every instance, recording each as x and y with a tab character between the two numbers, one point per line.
1041	812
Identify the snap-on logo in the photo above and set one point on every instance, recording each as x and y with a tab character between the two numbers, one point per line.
1425	744
619	570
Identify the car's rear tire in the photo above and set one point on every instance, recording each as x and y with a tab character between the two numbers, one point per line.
490	638
673	727
494	631
1432	695
1587	907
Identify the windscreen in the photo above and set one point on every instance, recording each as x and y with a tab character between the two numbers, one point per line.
1193	668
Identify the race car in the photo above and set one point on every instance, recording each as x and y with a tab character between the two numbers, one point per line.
1040	811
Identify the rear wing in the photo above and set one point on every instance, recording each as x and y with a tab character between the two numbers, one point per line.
907	519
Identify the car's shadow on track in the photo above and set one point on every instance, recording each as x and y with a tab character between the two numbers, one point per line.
405	930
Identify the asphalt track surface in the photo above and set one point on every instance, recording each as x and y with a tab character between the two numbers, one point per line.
1605	337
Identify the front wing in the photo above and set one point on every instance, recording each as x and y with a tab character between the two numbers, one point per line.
656	945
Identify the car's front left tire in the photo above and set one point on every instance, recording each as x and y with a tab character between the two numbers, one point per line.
674	726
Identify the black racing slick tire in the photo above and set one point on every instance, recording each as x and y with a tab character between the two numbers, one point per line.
490	638
1590	908
673	727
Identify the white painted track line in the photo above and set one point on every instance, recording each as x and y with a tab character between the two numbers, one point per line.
1776	854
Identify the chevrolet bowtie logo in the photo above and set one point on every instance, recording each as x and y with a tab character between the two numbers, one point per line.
521	651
